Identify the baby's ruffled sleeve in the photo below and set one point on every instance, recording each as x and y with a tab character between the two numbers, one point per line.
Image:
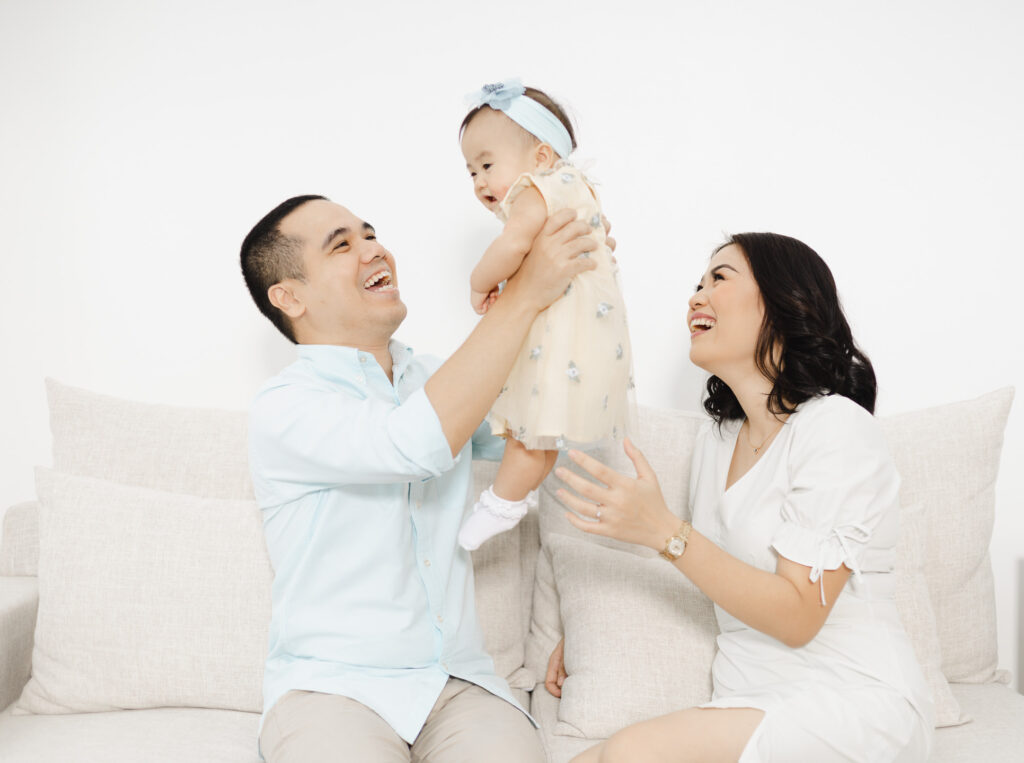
842	506
524	181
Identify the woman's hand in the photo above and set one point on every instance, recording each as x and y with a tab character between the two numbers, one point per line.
556	670
628	509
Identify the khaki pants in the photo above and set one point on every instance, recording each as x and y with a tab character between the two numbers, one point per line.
467	725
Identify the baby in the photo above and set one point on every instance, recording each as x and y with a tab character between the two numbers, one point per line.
571	383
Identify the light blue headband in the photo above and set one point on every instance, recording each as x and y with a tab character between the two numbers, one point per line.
509	97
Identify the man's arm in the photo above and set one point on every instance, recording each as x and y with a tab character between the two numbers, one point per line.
464	388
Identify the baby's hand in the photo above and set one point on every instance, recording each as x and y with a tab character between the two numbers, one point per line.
482	301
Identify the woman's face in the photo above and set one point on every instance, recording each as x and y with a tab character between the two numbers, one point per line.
725	316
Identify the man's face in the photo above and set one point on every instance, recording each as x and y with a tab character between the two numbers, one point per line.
350	295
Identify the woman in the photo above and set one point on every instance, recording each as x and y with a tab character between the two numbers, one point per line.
792	489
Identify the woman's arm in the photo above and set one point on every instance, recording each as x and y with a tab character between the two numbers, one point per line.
505	254
556	674
785	604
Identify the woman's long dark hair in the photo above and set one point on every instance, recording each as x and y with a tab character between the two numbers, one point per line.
805	346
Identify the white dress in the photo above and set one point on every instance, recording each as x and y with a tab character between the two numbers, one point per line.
823	494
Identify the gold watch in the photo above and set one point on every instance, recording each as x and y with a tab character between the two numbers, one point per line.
676	544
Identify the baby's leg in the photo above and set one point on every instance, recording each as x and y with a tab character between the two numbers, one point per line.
521	470
503	504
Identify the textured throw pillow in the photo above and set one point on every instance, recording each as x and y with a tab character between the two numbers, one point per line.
198	451
497	573
948	458
915	608
639	638
146	599
666	439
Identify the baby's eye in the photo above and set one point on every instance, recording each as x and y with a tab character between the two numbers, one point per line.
488	166
472	174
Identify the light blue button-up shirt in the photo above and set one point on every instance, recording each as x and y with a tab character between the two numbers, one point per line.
362	502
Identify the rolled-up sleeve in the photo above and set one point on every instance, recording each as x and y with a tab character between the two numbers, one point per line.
843	486
316	438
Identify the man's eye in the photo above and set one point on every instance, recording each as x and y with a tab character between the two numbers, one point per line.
371	236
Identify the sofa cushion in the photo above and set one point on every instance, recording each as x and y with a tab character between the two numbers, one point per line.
498	581
610	603
19	543
948	457
146	599
917	615
199	451
129	736
995	736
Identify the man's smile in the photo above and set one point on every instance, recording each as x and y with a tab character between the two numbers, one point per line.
380	281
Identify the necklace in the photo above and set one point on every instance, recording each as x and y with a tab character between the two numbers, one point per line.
757	449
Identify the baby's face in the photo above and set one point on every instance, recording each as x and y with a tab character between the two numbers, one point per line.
497	152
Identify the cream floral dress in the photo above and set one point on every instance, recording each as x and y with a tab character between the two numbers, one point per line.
571	385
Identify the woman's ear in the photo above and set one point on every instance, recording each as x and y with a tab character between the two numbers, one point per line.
282	296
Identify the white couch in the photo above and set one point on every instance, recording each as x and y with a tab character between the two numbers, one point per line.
134	602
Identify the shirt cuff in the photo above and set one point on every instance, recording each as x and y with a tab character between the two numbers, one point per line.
421	435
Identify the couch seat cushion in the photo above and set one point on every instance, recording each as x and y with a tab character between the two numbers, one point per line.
165	734
996	735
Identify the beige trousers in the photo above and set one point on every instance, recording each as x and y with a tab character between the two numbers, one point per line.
467	725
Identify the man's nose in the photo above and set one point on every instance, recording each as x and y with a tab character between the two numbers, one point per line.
372	250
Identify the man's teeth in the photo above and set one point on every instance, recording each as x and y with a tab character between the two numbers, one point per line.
701	323
383	278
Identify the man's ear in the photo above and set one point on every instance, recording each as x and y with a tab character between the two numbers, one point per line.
282	296
544	155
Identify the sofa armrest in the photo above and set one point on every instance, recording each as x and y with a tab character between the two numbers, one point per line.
19	600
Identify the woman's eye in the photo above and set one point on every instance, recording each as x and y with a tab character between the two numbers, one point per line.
717	277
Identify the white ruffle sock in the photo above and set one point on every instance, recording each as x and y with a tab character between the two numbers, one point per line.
492	515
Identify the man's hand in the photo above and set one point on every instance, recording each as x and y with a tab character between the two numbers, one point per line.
554	260
556	670
608	240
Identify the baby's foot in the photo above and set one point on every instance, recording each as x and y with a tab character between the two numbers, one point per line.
491	515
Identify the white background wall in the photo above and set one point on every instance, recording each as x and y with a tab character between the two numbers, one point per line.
139	141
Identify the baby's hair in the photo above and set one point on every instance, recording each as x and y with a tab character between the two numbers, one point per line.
540	97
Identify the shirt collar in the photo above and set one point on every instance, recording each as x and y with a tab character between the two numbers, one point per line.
339	363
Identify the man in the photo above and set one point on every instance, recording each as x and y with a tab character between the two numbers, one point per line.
361	454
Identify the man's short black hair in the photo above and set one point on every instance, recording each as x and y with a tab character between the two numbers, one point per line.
268	257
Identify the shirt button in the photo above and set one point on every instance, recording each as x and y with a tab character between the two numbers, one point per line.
426	562
362	358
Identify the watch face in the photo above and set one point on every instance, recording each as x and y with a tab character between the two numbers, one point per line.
676	547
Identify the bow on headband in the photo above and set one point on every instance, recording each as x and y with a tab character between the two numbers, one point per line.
509	97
